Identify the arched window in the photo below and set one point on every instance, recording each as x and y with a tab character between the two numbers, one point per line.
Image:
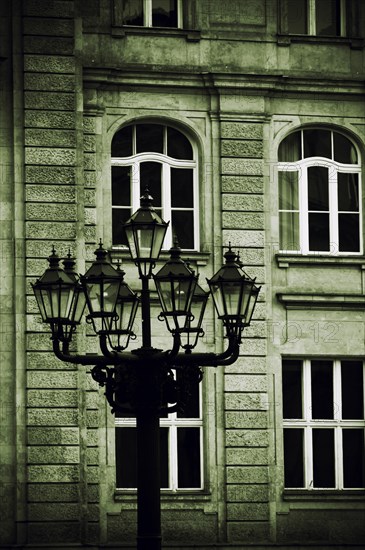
161	158
319	193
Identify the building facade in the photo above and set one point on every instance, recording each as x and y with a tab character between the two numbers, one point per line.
247	121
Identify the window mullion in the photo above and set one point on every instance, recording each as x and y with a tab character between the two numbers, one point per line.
173	462
147	13
333	210
136	184
307	415
166	202
311	17
303	209
343	21
339	458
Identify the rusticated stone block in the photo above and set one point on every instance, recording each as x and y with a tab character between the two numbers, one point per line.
49	230
246	401
48	45
44	8
92	399
93	418
90	216
93	493
243	149
89	143
93	512
51	533
39	342
252	511
59	175
92	456
53	455
53	511
244	167
93	474
242	130
254	346
245	383
89	197
249	365
242	184
44	155
90	234
248	531
54	212
245	203
244	419
49	492
46	361
90	178
89	161
247	474
49	119
53	473
92	436
53	436
52	398
242	220
50	193
244	238
89	124
50	100
247	493
51	138
48	27
49	64
247	438
52	417
255	456
47	380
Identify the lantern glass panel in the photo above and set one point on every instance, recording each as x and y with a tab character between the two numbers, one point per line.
232	295
39	297
165	293
218	299
78	305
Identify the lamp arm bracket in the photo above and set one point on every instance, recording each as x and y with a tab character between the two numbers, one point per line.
64	355
228	357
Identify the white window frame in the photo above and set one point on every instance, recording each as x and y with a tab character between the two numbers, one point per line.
337	424
334	168
311	18
167	163
147	15
173	422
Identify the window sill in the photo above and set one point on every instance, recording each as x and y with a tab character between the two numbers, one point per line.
166	496
323	495
287	39
194	257
338	302
286	260
190	35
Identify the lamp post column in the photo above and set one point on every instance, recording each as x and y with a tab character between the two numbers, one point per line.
148	439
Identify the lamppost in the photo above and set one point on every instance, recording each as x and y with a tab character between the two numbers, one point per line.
141	381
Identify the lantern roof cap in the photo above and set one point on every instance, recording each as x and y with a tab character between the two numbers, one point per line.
101	267
231	270
175	266
54	273
146	212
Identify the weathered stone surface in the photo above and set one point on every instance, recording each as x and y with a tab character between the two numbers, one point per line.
90	178
248	531
54	212
244	238
92	400
254	346
245	383
242	167
249	365
50	174
243	149
90	216
247	438
49	119
44	8
52	417
50	492
48	27
92	418
61	380
59	454
53	474
49	64
89	143
92	436
89	161
50	138
247	474
44	155
254	456
52	398
245	203
53	511
48	45
92	474
62	532
49	230
247	493
242	184
50	193
39	342
90	199
246	401
44	360
244	419
53	436
242	220
242	130
93	493
247	511
50	100
89	123
92	456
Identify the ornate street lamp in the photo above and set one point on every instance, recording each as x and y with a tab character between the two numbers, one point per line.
141	381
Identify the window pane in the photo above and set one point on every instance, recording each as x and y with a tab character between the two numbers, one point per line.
323	458
182	188
317	143
353	458
164	13
188	457
293	458
150	176
178	146
348	192
317	188
149	138
121	186
348	232
352	389
297	16
344	150
122	143
322	389
119	217
183	228
289	230
292	389
328	18
290	149
191	399
319	232
288	191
